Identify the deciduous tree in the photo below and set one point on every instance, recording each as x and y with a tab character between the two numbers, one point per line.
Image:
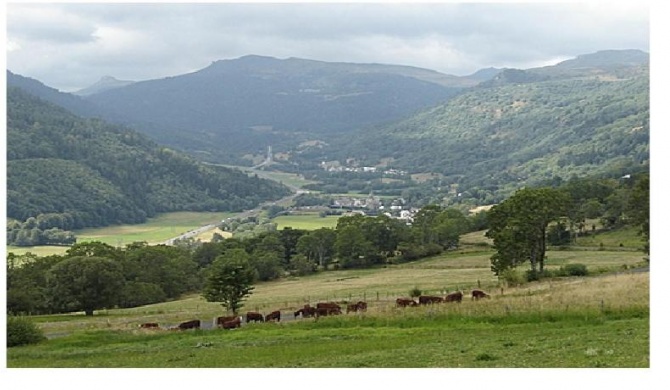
230	279
518	227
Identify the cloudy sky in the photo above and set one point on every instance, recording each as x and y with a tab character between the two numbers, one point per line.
70	46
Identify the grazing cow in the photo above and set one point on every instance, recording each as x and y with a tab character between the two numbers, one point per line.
236	323
306	311
194	324
328	305
456	296
254	316
149	325
404	302
326	311
221	320
476	294
275	315
358	306
427	299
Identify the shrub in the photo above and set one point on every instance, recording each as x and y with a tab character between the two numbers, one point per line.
512	277
22	331
576	269
415	292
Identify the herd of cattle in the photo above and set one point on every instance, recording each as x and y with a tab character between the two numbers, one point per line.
321	309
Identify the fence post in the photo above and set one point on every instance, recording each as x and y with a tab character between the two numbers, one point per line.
479	284
377	296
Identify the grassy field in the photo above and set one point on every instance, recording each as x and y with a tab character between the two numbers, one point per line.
600	321
311	221
154	231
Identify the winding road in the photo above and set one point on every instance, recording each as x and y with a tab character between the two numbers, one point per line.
247	213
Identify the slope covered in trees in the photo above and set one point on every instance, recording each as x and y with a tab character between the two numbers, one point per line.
522	127
91	173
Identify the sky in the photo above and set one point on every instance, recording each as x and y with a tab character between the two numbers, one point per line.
71	46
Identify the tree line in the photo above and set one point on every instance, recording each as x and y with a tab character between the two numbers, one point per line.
91	276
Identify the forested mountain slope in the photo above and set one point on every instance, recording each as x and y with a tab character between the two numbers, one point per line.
234	107
515	130
91	173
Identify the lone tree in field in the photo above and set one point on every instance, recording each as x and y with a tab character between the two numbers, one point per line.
84	283
518	227
230	279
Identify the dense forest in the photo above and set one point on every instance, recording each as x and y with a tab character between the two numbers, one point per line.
65	172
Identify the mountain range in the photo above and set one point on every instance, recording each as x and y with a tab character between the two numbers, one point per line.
494	128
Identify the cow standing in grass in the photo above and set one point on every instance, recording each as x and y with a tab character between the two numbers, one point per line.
456	296
478	294
221	320
193	324
404	302
427	299
358	306
275	315
236	323
254	316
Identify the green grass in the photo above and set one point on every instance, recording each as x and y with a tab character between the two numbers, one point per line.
422	337
310	221
41	251
623	238
154	231
571	322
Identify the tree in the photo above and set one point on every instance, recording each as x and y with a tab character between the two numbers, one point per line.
84	283
638	208
518	227
353	249
318	246
230	279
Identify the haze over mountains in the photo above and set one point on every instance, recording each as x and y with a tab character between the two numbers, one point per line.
494	127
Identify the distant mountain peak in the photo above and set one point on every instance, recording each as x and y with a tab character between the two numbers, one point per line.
104	84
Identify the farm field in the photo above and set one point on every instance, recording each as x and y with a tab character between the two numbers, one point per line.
600	321
309	221
154	231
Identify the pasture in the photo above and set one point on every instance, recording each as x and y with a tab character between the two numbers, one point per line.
600	321
155	231
307	221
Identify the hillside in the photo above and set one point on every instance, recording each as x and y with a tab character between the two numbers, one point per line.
521	127
234	107
91	173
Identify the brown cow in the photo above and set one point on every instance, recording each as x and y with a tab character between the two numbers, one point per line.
325	305
254	316
456	296
193	324
476	294
149	325
236	323
275	315
358	306
306	311
221	320
404	302
427	299
326	311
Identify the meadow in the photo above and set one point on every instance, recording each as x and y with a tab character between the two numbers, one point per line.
306	221
600	321
155	231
